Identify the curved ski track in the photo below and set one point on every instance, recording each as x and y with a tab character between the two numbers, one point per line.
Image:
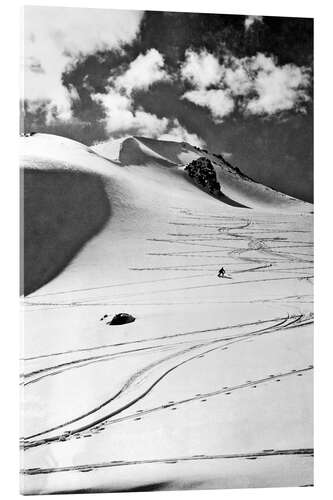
256	244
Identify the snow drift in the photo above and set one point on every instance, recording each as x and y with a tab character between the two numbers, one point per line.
62	210
63	207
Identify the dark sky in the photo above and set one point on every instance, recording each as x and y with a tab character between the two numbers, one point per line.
241	84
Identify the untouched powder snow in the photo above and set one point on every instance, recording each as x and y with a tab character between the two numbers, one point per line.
211	385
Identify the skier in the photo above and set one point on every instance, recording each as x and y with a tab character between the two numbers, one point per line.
221	273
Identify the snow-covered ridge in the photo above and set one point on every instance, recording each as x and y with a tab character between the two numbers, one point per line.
236	186
142	151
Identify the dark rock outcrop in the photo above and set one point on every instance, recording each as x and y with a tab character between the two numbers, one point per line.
121	319
203	173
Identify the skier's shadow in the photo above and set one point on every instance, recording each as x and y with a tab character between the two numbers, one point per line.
225	277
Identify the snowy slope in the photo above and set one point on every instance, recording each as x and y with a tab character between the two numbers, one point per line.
211	385
235	185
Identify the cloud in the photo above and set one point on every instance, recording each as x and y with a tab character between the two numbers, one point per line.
122	118
57	37
236	77
219	102
118	102
53	36
278	88
178	133
201	69
204	70
249	20
265	87
145	70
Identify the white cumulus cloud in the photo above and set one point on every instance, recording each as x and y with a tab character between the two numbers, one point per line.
118	102
266	87
122	118
236	77
178	133
54	35
218	101
278	88
145	70
201	69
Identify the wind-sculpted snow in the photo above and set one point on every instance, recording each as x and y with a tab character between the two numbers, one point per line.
211	385
135	152
62	210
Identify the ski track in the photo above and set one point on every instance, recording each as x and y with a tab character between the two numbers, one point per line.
244	245
284	324
170	460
